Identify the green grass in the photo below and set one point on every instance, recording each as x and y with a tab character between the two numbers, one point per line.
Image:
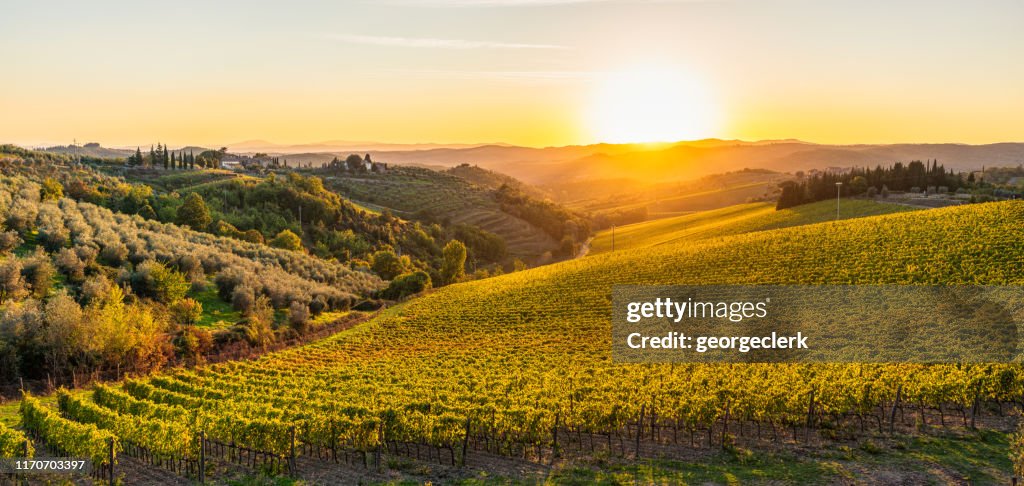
732	220
979	459
28	245
217	314
723	468
367	207
326	318
9	413
11	416
176	180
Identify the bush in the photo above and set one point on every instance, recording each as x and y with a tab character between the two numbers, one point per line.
11	283
9	240
194	213
193	343
155	280
298	316
243	300
252	236
115	254
69	263
39	273
187	312
407	284
94	288
51	190
287	240
454	265
388	265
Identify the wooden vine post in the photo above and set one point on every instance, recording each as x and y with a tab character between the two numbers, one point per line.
110	460
291	451
465	444
892	412
202	457
554	436
640	428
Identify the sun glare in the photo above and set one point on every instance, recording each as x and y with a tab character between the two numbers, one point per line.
647	104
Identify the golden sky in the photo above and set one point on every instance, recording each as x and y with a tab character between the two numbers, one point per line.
531	72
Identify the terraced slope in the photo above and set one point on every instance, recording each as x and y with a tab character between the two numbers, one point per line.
733	220
504	363
409	191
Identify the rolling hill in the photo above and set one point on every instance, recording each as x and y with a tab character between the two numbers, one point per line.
732	220
423	194
688	160
519	366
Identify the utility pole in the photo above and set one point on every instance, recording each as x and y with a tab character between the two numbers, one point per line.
839	185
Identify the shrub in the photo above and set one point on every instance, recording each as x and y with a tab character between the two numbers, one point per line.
298	316
252	236
11	284
155	280
317	305
454	265
69	263
187	312
388	265
194	213
407	284
287	240
94	288
39	273
9	240
115	254
243	300
51	189
193	343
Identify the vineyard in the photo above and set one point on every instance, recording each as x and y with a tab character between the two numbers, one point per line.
733	220
519	366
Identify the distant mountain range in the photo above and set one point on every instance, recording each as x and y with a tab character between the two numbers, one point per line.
646	162
687	160
252	146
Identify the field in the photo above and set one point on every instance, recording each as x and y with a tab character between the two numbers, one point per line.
732	220
411	191
667	199
512	377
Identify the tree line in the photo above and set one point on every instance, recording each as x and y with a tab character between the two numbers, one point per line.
161	155
916	176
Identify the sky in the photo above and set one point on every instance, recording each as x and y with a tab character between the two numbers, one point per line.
528	72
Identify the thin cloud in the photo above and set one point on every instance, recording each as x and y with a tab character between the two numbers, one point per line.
526	77
523	3
486	3
430	43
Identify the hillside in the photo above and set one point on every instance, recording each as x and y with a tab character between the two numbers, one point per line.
733	220
93	150
280	206
687	160
431	196
88	290
494	180
424	371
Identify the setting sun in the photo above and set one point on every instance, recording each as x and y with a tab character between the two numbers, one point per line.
651	104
